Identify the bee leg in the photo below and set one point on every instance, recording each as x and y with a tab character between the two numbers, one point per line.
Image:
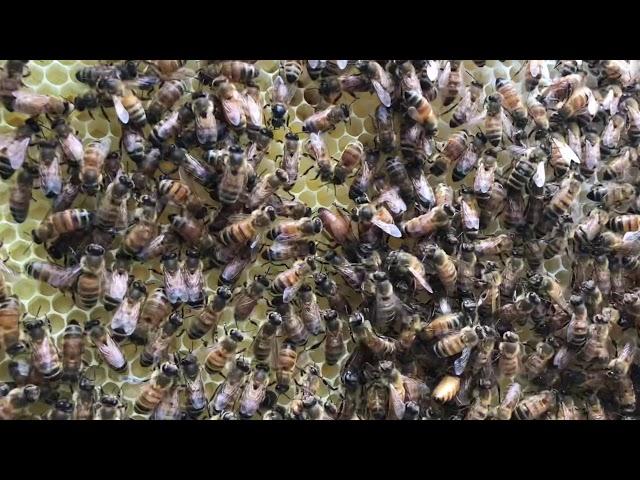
308	170
104	113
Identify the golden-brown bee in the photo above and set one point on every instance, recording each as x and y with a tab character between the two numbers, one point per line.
538	113
20	193
380	79
85	398
91	165
421	111
237	71
455	343
221	352
447	389
326	119
498	245
165	98
34	104
587	230
247	299
581	99
424	225
174	191
281	251
336	225
610	137
549	287
266	187
9	323
90	284
310	313
364	334
591	156
60	223
112	214
235	176
615	71
17	401
467	108
445	267
228	391
453	150
560	89
109	407
560	204
49	169
534	406
450	81
294	209
206	126
291	70
232	103
292	324
479	409
287	283
442	325
334	347
107	347
155	310
208	320
248	228
138	238
350	159
404	264
512	102
504	411
44	353
254	392
281	95
624	223
72	351
493	120
595	411
385	133
125	318
291	159
161	384
285	364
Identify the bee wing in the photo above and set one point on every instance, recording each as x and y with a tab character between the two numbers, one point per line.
74	147
396	404
444	76
290	292
254	245
388	228
35	100
631	236
232	111
592	104
313	63
382	94
432	70
286	237
117	284
66	278
534	68
420	278
16	152
112	353
507	125
121	112
539	176
461	362
145	82
254	110
342	64
9	273
471	218
566	151
477	119
394	201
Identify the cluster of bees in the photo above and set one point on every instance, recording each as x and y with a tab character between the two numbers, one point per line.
428	290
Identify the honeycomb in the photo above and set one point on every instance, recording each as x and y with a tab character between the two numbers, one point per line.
58	78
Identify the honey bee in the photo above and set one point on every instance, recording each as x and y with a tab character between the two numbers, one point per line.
125	318
421	112
20	193
156	308
248	298
281	251
334	347
239	72
34	104
156	350
381	81
208	319
166	97
235	176
493	119
281	95
447	389
467	108
107	347
615	71
310	313
232	103
424	225
442	325
229	391
326	119
222	351
266	187
89	286
469	158
254	392
16	401
534	406
288	283
72	351
559	204
595	411
206	128
91	165
610	137
350	159
247	228
161	384
336	225
45	357
138	238
13	147
364	335
504	411
385	138
550	288
109	407
285	364
511	101
453	150
263	341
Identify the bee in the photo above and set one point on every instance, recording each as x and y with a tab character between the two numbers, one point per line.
612	195
336	225
72	350
328	288
350	159
281	95
469	158
534	406
550	288
291	70
112	214
435	219
62	410
511	101
162	383
364	335
334	347
85	398
234	178
170	126
420	111
520	310
228	391
450	82
405	264
17	401
13	147
310	313
174	282
208	319
602	274
292	324
125	318
109	407
380	79
287	283
165	98
291	160
281	251
45	357
610	137
156	308
509	364
326	119
190	228
442	325
107	348
248	298
385	138
294	209
91	165
285	364
630	106
137	239
455	343
253	111
559	204
264	338
222	351
232	104
624	223
206	128
498	245
266	187
34	104
447	389
399	177
485	176
479	410
538	113
615	71
581	99
595	411
467	108
453	150
493	119
20	193
128	107
156	350
247	228
254	392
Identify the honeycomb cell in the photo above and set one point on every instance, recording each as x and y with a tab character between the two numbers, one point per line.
57	74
